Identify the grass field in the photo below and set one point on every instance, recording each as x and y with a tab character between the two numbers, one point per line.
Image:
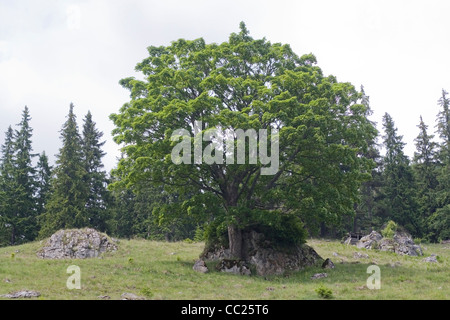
158	270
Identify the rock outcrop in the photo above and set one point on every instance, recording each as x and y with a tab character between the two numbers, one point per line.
265	258
401	243
76	244
370	241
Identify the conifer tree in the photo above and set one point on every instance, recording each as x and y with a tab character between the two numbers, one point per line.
439	222
8	186
43	182
425	169
66	206
399	185
24	174
95	178
443	127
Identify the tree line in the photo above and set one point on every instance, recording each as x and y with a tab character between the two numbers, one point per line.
414	193
37	199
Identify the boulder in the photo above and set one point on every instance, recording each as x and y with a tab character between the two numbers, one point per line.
370	241
319	276
328	264
22	294
76	244
130	296
265	257
200	266
401	243
432	258
360	255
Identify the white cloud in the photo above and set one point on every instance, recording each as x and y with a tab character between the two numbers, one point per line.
73	17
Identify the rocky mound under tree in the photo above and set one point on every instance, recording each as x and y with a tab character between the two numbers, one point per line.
76	244
262	256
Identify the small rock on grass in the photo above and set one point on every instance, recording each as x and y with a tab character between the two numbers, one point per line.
432	258
359	255
319	276
200	266
131	296
328	264
22	294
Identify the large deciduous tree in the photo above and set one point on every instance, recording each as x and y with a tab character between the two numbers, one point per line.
249	84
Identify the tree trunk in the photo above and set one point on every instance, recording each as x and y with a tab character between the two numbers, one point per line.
235	241
13	236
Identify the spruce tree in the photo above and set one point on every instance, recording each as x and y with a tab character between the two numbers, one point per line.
8	187
95	177
443	127
425	169
66	206
399	185
25	179
18	206
440	220
43	182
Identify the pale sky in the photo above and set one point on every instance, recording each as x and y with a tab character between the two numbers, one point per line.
54	52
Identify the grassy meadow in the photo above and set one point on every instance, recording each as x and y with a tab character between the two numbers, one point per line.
163	271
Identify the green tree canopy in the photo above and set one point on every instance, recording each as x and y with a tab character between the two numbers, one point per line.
246	83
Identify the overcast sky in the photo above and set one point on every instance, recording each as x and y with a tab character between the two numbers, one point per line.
55	52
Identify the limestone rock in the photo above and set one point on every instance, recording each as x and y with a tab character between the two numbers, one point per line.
319	276
432	258
200	266
370	241
328	264
401	243
359	255
234	266
22	294
131	296
76	244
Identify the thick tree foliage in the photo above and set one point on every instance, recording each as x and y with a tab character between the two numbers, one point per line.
246	84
